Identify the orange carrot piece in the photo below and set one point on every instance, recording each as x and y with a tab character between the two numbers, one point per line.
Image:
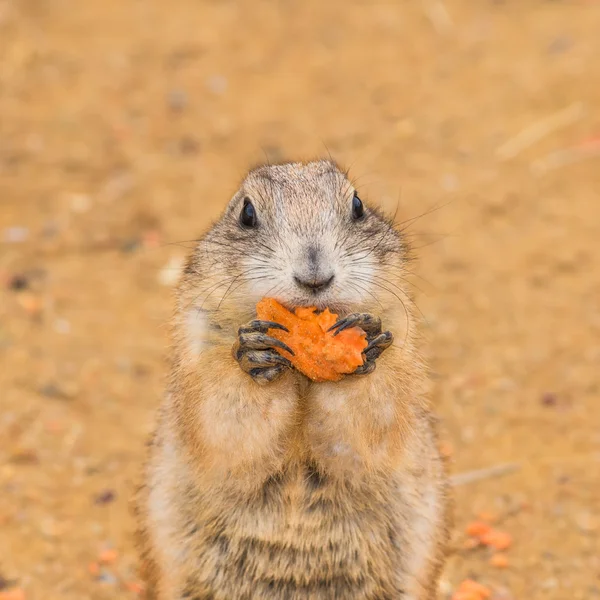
471	590
108	557
499	540
318	354
478	529
499	560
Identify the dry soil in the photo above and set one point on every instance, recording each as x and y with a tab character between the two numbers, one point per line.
125	126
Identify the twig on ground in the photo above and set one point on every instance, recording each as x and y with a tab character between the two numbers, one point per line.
539	130
565	157
479	474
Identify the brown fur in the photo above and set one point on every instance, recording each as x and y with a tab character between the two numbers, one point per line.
292	490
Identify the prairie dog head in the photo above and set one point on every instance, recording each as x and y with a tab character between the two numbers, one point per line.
300	233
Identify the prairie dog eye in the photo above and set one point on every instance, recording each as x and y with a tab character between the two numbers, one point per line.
248	215
358	210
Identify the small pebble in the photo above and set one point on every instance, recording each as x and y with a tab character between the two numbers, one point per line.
5	583
107	577
18	283
549	399
560	45
25	456
105	497
177	100
16	235
188	145
53	390
130	245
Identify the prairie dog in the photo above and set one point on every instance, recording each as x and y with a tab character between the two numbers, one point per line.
261	484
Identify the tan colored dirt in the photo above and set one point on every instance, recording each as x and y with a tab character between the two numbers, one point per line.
125	126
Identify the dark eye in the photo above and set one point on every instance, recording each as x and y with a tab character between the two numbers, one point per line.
358	210
248	216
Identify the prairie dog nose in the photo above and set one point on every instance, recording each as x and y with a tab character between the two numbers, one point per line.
315	284
311	276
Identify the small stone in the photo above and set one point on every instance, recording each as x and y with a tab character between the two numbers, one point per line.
18	283
560	45
188	145
105	497
117	186
5	583
50	229
51	390
549	399
130	245
16	235
177	100
25	456
107	577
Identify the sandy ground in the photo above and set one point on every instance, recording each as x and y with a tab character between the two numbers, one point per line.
124	128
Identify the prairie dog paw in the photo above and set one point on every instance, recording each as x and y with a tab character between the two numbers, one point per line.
377	339
255	351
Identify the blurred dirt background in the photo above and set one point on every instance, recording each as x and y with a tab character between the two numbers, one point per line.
125	126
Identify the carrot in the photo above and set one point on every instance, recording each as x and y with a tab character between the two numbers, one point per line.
471	590
478	529
135	587
500	561
318	353
499	540
14	594
107	557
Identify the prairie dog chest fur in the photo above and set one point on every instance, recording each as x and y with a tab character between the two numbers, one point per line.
296	534
259	482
